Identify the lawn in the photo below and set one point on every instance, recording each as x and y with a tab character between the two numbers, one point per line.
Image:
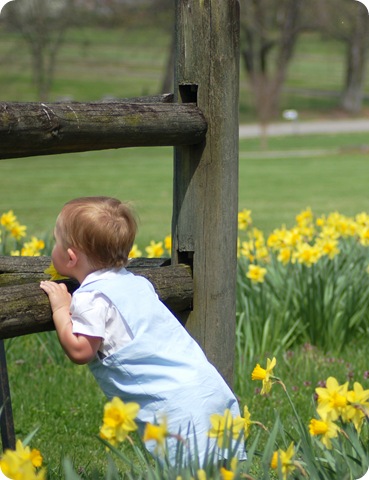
326	172
62	399
332	175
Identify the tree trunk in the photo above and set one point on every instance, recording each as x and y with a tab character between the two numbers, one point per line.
356	56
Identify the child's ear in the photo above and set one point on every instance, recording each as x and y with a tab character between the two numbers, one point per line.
73	258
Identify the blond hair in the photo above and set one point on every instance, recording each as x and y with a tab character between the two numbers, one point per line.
103	228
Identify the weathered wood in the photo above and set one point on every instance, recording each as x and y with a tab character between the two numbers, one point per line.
24	307
28	129
6	418
161	98
37	265
206	175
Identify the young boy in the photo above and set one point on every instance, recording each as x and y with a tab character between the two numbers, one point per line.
136	349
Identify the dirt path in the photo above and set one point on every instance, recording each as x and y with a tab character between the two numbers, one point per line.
306	128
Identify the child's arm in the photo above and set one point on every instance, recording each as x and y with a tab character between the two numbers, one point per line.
79	348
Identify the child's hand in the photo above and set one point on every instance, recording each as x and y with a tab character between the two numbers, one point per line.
58	295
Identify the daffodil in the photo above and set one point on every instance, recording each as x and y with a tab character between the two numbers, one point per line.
229	474
22	463
256	273
8	219
328	247
284	255
158	433
224	427
362	219
247	250
244	219
305	217
364	236
247	420
325	428
155	249
201	474
37	244
54	275
135	252
332	400
118	420
18	231
358	408
306	254
264	374
283	460
168	243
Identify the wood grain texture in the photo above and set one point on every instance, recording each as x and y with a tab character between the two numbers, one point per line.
206	174
24	307
28	129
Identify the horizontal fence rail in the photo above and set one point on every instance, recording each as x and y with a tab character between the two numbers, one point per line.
29	129
25	308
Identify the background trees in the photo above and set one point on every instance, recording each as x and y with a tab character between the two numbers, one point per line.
42	24
271	33
348	22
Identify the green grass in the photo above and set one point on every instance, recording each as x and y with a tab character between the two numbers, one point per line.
63	401
96	62
141	176
275	189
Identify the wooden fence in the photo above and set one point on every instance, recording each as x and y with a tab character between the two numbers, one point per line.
201	121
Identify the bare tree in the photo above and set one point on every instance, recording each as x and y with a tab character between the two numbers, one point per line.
269	32
42	24
348	22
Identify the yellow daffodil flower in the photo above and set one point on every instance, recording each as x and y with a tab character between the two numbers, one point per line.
264	374
305	217
135	252
364	236
247	250
244	219
118	420
8	219
283	460
332	400
18	231
326	428
256	273
307	254
155	249
54	275
247	420
22	463
224	427
168	243
158	433
201	474
362	219
328	246
229	474
284	255
358	408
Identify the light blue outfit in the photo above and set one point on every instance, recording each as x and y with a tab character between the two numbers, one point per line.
162	368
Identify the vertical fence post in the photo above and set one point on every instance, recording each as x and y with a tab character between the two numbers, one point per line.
6	418
205	203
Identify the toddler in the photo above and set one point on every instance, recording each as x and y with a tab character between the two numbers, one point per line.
136	349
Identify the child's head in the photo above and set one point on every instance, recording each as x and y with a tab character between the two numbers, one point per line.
103	228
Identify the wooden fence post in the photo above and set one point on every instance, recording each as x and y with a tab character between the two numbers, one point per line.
6	418
206	175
